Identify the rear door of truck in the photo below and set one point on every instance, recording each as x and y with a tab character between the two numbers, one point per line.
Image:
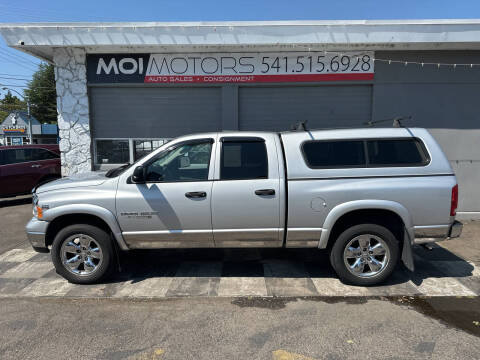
248	191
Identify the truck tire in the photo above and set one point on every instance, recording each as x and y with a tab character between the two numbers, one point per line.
83	254
364	254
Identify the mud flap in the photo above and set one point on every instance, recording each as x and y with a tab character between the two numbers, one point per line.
407	255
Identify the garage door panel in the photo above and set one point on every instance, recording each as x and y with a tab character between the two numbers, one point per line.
277	108
154	112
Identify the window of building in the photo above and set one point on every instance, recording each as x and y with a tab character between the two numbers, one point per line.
396	152
244	159
334	154
112	152
183	162
145	147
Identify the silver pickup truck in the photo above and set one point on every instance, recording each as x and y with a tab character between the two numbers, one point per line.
364	195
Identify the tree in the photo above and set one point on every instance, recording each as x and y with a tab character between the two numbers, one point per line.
42	94
10	103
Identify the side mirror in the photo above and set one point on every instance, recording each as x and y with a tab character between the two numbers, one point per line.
138	176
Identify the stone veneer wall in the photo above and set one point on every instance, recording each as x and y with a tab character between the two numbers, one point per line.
73	111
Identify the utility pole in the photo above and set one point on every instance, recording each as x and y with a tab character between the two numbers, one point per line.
30	139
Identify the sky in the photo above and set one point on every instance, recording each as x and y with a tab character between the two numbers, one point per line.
16	68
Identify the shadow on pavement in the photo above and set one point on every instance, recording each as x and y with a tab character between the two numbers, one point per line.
7	202
283	263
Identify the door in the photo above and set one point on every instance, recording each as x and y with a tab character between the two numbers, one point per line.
277	108
17	172
246	193
172	209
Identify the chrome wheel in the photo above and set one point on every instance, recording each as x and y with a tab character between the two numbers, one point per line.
366	255
81	254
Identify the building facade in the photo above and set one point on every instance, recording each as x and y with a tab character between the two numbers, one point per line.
125	88
16	128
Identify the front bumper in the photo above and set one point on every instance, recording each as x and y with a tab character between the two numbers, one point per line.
36	234
431	234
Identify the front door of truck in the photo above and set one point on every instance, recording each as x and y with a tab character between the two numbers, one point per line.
172	209
246	199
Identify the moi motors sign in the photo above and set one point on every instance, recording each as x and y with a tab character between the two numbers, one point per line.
230	67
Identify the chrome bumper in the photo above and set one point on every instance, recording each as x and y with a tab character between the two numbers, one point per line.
431	234
36	234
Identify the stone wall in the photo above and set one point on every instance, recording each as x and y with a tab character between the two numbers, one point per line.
73	111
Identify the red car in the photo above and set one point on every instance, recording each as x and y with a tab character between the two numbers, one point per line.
23	167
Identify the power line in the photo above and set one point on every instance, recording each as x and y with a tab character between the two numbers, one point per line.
29	67
16	56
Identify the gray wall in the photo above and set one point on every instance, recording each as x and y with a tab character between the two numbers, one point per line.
444	100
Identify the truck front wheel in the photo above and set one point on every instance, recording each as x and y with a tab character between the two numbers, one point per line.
83	254
364	254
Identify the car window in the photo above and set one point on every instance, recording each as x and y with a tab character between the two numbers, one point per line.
396	152
243	159
15	156
183	162
334	154
43	154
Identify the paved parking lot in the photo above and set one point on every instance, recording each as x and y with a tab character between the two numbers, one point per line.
231	272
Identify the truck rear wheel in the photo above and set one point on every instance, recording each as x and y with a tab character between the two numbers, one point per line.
83	254
365	254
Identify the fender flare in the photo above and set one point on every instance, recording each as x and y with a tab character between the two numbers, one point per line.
106	215
344	208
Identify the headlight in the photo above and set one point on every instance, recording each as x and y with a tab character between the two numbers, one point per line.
37	210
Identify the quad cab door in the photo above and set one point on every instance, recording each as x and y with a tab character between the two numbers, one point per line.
172	209
248	192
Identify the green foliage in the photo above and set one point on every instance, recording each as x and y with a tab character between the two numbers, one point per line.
42	94
10	103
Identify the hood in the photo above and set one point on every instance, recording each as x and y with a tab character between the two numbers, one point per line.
78	180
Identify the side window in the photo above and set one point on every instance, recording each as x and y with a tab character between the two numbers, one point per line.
182	162
334	154
43	154
396	152
15	156
243	159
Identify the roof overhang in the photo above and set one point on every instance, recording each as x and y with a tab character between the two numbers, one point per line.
39	39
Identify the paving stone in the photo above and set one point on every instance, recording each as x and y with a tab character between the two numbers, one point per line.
200	269
242	286
191	286
144	288
4	266
334	287
287	269
41	257
47	287
9	287
18	255
443	287
290	287
28	270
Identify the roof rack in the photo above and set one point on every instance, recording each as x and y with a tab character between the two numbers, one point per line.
300	126
396	121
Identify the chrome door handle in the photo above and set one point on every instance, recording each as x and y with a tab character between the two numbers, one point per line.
265	192
36	166
196	194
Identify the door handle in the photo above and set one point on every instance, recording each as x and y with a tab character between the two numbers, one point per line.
196	194
36	166
265	192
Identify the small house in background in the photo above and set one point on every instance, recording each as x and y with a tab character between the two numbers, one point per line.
16	128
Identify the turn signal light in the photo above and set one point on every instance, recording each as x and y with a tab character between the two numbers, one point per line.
454	203
39	212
